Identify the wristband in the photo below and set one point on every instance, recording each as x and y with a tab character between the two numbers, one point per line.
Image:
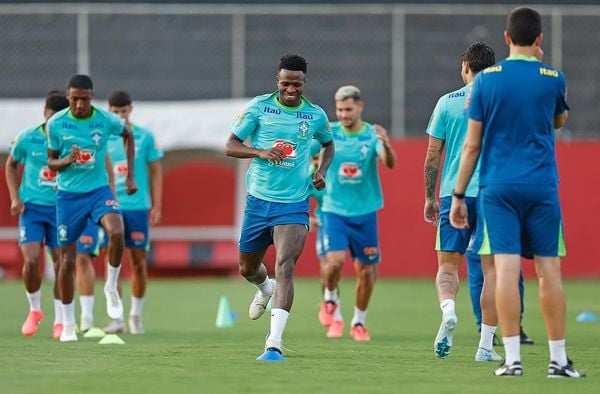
460	196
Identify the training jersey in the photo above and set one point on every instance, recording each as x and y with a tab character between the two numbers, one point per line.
352	180
516	100
91	135
38	184
448	122
146	151
268	123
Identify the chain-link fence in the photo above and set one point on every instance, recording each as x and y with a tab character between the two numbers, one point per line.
403	57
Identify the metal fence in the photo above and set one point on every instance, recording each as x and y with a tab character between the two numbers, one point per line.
402	56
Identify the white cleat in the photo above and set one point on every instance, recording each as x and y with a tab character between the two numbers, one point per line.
260	302
114	306
68	333
487	355
443	339
135	325
115	326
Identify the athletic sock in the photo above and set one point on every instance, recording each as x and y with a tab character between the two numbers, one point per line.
360	317
34	299
68	314
558	352
486	339
136	306
512	349
58	314
278	321
87	307
266	287
447	305
330	295
112	277
337	314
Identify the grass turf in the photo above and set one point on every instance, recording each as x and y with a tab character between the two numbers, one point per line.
183	351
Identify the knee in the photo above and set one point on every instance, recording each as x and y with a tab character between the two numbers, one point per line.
139	267
247	271
334	264
67	263
31	264
117	237
367	273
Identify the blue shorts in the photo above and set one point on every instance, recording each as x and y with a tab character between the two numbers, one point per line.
357	233
137	224
518	219
90	239
450	239
319	243
261	216
37	223
74	209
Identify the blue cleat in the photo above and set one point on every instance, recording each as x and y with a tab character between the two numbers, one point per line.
271	354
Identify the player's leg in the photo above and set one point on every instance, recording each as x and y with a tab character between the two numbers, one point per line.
66	275
475	283
85	275
57	326
489	316
113	225
33	281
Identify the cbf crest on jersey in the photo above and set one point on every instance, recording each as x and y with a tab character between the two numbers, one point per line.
96	136
303	129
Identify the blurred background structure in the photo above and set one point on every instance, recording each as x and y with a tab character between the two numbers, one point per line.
403	56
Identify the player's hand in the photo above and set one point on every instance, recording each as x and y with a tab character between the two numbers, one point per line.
431	212
155	216
17	207
74	154
458	213
318	180
382	135
130	185
276	155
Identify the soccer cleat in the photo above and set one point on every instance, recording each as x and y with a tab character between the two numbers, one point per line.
57	330
30	326
568	371
336	329
85	325
360	333
259	303
514	369
525	340
114	306
68	333
271	354
443	339
487	355
135	325
326	312
115	326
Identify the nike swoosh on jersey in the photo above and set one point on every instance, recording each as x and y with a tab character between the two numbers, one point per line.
36	154
68	137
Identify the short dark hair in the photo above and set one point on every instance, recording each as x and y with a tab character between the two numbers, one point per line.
523	26
81	81
56	101
293	63
479	56
119	98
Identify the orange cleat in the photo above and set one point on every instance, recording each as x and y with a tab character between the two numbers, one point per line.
360	333
336	329
30	326
57	329
326	312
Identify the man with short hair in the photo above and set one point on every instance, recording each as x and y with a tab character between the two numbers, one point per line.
514	108
35	203
350	206
281	126
77	140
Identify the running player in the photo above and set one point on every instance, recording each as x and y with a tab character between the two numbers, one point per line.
519	102
280	126
35	203
350	206
78	136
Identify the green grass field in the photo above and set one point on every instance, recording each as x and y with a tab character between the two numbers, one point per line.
183	352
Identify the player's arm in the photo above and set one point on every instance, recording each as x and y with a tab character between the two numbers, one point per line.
235	147
12	182
468	161
56	164
325	158
387	155
156	189
433	158
127	135
111	174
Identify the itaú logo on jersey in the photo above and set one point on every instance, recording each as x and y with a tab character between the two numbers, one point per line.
47	177
288	147
350	172
86	156
120	168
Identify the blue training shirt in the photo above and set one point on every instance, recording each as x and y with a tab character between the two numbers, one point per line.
517	100
448	122
268	123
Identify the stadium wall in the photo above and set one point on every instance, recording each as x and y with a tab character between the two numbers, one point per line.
201	192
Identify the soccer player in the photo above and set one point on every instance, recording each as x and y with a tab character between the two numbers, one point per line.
35	203
77	140
280	126
514	108
139	210
350	206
